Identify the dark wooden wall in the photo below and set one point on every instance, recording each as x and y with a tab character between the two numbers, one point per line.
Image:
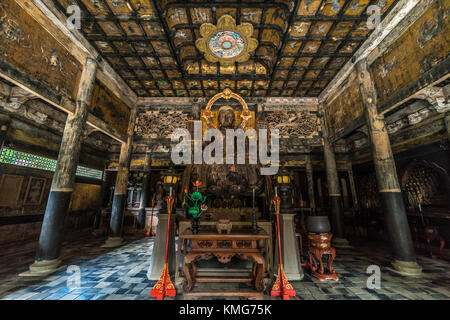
21	219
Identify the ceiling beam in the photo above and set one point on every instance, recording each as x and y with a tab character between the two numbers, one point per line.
186	43
321	17
283	44
343	41
66	105
226	4
170	43
177	101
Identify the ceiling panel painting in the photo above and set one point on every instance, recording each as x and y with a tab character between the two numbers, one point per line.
302	44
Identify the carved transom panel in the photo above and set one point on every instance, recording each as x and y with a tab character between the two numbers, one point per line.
302	124
154	124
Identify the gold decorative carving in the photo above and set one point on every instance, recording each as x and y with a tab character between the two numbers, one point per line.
213	39
248	118
303	124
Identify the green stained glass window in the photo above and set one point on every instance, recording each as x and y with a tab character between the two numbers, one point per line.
23	159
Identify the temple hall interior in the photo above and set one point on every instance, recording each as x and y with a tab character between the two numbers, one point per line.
224	150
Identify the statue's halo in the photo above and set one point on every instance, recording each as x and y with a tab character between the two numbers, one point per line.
226	108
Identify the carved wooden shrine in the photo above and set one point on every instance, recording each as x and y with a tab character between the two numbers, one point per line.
208	245
319	245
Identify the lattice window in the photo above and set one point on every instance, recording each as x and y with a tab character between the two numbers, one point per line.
23	159
422	185
88	172
368	193
26	160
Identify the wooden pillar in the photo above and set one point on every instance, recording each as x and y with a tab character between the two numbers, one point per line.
101	200
319	193
3	132
309	177
345	197
386	173
120	191
334	191
52	231
351	179
145	190
106	187
447	125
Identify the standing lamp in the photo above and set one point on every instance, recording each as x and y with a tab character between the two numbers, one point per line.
284	185
170	179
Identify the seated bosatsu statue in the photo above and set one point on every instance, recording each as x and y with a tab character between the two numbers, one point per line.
225	181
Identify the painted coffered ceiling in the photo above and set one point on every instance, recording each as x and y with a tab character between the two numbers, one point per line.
302	44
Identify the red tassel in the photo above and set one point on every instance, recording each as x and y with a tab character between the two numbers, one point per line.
282	287
164	287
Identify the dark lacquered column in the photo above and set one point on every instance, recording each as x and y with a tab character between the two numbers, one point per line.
334	191
145	190
101	200
4	124
351	178
310	179
52	230
120	191
447	125
387	179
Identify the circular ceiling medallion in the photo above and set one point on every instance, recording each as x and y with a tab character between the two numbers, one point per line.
227	44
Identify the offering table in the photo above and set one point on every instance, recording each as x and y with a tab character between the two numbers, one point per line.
238	226
207	245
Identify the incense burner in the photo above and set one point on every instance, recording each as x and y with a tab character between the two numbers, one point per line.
224	225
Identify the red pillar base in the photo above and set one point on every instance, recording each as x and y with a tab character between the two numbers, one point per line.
164	287
282	287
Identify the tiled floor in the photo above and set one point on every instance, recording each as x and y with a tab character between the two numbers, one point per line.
121	274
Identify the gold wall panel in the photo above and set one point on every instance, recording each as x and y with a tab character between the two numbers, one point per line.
345	108
107	107
31	50
85	197
424	45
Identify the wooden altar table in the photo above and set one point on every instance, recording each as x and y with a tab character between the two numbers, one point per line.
208	245
238	226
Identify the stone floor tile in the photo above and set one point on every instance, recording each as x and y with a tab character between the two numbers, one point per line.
121	273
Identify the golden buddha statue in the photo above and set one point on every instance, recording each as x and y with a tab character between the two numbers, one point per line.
225	180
